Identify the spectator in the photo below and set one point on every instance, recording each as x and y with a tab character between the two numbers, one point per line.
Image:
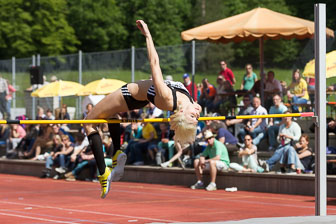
256	127
249	156
17	134
189	86
89	107
4	135
229	101
65	153
272	86
49	115
297	91
274	123
289	132
249	79
64	115
311	89
227	74
218	159
208	93
224	136
40	114
220	90
292	157
9	98
53	157
3	93
245	110
178	154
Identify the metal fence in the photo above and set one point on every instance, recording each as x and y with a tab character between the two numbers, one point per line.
127	65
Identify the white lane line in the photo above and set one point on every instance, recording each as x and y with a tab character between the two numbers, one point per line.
86	211
36	218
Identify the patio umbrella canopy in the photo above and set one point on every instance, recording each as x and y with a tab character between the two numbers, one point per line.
259	23
101	87
309	70
58	88
252	25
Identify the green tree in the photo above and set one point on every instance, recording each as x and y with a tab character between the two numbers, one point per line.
98	24
15	30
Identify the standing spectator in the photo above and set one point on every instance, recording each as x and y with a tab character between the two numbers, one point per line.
208	93
40	114
289	132
3	93
220	90
9	98
272	86
249	79
189	86
248	153
227	73
256	127
274	123
218	159
297	91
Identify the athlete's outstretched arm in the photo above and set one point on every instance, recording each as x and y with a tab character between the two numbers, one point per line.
161	88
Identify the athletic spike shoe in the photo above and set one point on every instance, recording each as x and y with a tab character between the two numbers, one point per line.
118	165
105	181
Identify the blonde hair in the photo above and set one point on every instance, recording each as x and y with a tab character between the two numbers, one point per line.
185	130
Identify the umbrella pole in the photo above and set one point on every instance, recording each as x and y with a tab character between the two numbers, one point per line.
262	74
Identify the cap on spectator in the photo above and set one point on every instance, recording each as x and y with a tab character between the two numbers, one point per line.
186	75
208	134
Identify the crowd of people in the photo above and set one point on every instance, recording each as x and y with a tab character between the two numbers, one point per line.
153	143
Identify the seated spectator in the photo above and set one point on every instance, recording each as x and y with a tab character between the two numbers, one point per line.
190	86
249	156
164	146
289	132
227	73
32	132
65	153
208	94
64	115
274	123
49	115
215	158
140	147
245	110
292	157
256	127
152	111
4	135
89	107
40	114
297	91
54	157
311	89
42	143
224	136
178	154
17	134
331	128
272	86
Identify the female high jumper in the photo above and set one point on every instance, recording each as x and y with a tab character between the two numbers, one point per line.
166	95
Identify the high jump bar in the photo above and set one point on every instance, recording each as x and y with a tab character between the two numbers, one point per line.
153	120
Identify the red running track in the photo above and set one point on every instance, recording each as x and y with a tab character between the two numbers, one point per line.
32	200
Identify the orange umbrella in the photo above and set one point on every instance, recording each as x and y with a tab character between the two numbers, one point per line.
259	23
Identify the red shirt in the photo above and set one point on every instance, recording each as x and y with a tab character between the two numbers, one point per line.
228	75
189	88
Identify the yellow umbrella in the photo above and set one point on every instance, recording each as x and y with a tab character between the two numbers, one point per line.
309	70
58	88
101	87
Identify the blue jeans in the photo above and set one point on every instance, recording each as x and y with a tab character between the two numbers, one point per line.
298	100
60	159
277	155
257	134
291	157
272	133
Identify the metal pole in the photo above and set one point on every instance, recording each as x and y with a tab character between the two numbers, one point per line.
38	60
193	69
320	108
262	74
79	102
33	99
13	83
133	62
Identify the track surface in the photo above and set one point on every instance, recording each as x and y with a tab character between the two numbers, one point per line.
32	200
